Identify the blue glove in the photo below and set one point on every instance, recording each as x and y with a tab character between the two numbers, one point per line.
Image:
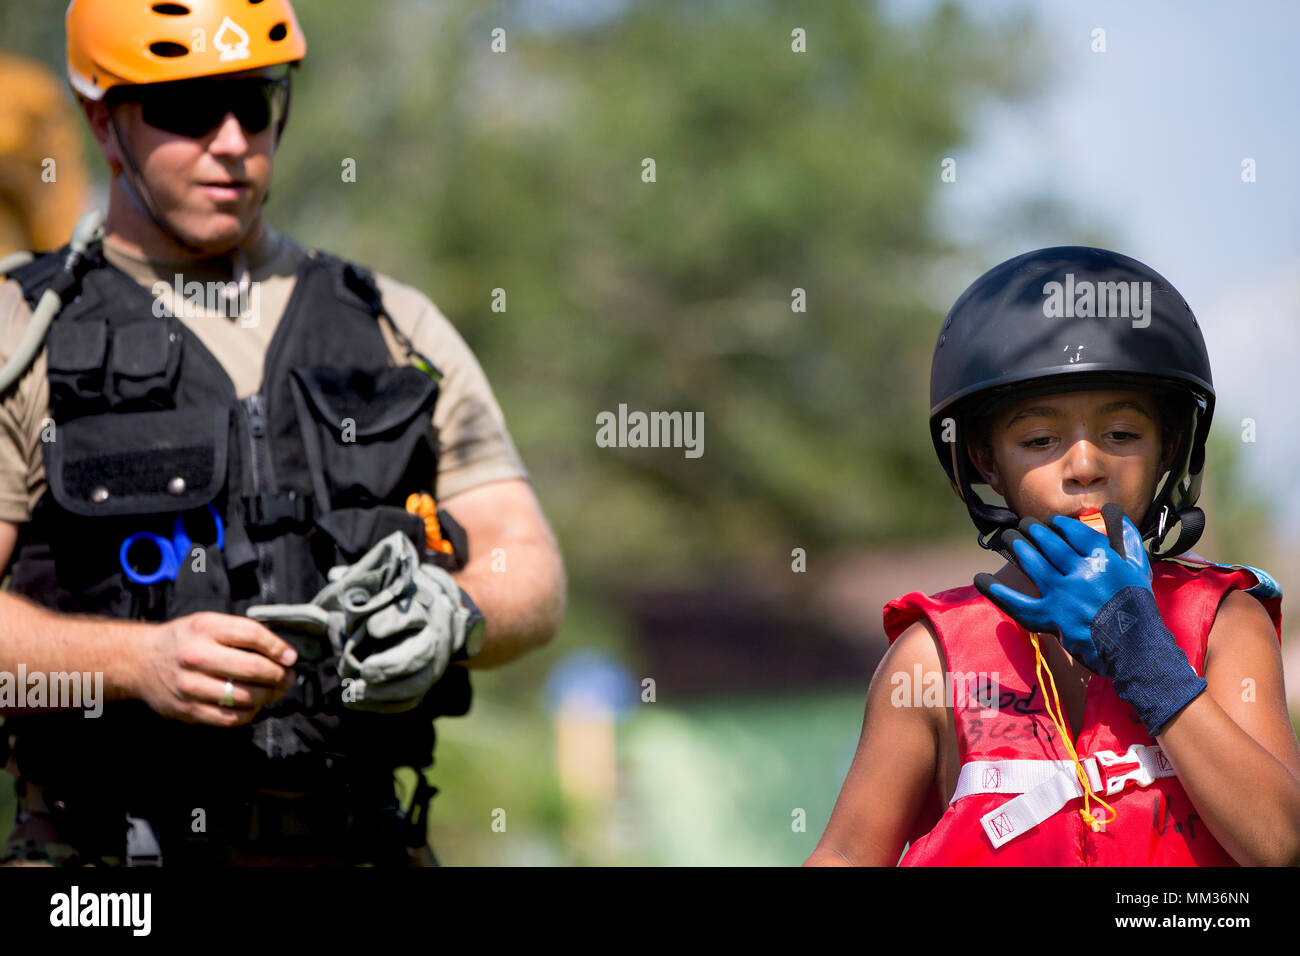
1096	594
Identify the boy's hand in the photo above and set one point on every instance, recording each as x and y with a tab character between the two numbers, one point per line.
1096	594
1077	571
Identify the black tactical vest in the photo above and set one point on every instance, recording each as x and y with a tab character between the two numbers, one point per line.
309	473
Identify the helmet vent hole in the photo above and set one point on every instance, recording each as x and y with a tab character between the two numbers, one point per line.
279	32
253	3
171	9
166	48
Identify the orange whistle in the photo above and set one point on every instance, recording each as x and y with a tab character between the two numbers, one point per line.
1094	520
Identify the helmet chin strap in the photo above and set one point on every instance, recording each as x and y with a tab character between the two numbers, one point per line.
1191	524
993	521
133	186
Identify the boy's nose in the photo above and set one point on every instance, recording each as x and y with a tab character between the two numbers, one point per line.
1083	465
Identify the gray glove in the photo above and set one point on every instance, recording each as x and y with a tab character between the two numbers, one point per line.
314	632
393	622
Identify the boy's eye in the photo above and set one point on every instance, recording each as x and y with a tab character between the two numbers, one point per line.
1033	442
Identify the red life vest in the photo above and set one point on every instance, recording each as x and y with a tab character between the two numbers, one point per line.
1013	806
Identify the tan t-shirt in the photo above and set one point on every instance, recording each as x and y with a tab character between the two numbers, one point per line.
476	446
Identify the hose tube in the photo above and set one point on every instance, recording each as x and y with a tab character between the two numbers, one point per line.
89	231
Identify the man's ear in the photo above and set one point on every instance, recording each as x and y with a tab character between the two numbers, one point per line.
97	117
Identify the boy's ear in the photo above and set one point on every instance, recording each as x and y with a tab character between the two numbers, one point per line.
987	466
1170	454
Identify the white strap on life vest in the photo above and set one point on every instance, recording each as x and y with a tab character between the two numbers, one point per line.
1046	786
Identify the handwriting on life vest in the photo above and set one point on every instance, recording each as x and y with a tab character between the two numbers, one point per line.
1008	700
976	731
1160	819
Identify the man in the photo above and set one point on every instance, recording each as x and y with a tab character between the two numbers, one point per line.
297	428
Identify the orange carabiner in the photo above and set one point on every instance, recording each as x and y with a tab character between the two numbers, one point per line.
423	505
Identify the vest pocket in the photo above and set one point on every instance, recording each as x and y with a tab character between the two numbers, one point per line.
75	353
201	583
143	362
128	368
368	434
143	463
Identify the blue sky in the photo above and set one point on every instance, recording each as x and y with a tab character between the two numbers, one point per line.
1144	142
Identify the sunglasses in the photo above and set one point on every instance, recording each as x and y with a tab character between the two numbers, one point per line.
194	108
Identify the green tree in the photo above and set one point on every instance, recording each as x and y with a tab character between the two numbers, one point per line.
775	170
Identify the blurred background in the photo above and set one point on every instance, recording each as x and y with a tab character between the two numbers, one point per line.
704	698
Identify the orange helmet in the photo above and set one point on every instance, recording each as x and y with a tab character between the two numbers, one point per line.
128	42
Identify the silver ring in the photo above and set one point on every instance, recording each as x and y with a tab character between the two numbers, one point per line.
228	699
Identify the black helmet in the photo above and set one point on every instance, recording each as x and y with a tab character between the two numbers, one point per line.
1072	318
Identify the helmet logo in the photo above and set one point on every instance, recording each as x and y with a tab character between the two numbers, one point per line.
1078	352
1086	299
231	40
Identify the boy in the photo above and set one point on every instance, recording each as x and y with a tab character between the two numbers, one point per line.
1132	708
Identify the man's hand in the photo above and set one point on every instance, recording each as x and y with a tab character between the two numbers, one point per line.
1096	594
186	663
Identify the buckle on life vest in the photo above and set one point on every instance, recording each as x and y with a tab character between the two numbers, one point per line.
1114	770
1046	786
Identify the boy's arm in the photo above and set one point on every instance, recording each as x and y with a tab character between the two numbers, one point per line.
893	767
1234	748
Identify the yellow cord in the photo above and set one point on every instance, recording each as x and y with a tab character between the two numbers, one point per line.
1039	666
